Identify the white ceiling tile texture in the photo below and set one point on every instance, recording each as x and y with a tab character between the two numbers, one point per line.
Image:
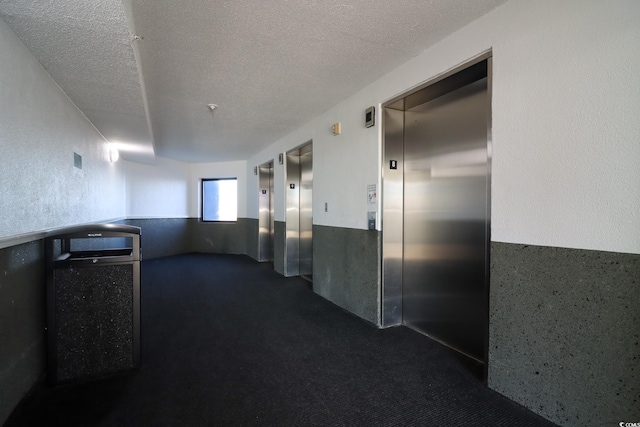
270	65
86	48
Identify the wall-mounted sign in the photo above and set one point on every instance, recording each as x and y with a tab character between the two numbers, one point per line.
372	196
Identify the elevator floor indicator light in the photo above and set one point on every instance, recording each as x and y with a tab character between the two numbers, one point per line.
393	164
292	186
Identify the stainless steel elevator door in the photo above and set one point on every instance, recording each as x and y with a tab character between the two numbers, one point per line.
299	215
265	213
292	242
272	219
445	218
306	214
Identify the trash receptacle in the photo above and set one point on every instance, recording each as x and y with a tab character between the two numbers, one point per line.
93	301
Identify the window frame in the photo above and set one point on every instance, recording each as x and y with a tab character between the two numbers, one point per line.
202	184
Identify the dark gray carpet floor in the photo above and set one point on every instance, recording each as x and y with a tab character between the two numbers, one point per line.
228	342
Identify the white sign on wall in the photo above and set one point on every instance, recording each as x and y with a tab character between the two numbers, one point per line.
372	195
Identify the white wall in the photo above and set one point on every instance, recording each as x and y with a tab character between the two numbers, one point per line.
158	191
40	129
566	134
171	188
343	167
566	128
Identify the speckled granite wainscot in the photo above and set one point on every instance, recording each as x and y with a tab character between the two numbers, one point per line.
346	269
22	322
252	237
564	332
162	236
280	237
218	237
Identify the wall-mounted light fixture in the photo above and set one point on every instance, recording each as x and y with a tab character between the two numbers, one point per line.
212	107
114	153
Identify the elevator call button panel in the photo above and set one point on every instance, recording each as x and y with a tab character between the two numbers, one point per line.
371	220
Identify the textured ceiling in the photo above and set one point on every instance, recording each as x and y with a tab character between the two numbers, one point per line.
270	65
85	46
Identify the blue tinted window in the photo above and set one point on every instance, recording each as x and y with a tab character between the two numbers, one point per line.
220	199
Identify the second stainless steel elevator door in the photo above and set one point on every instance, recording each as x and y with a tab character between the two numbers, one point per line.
306	214
265	214
445	218
299	213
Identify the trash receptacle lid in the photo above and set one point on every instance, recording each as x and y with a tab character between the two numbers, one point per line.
94	230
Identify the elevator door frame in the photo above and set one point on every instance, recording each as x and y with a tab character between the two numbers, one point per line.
265	212
299	213
393	188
